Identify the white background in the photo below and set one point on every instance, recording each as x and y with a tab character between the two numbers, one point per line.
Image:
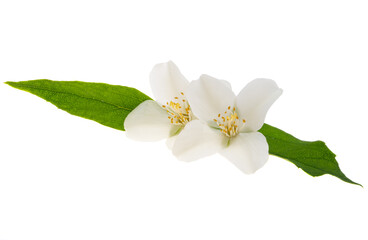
64	177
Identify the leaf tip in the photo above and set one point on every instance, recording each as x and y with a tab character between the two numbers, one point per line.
350	181
10	83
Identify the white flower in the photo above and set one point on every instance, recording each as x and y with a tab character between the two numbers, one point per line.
226	123
153	121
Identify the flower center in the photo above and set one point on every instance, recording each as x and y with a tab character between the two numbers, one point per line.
179	110
229	122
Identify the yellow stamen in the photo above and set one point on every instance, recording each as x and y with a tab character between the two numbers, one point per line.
230	122
179	110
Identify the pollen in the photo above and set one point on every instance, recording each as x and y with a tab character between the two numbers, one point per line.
179	110
229	123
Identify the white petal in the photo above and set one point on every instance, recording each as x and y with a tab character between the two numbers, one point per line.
226	83
148	122
254	100
247	151
197	140
208	97
170	142
167	82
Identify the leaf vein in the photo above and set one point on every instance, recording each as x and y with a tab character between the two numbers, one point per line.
89	98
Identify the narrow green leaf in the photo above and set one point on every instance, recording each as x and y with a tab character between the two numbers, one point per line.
106	104
110	104
315	158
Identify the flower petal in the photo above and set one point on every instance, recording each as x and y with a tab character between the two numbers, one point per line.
226	83
197	140
170	142
208	97
148	122
167	82
247	151
254	100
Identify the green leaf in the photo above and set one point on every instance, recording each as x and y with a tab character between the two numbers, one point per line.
106	104
110	104
315	158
